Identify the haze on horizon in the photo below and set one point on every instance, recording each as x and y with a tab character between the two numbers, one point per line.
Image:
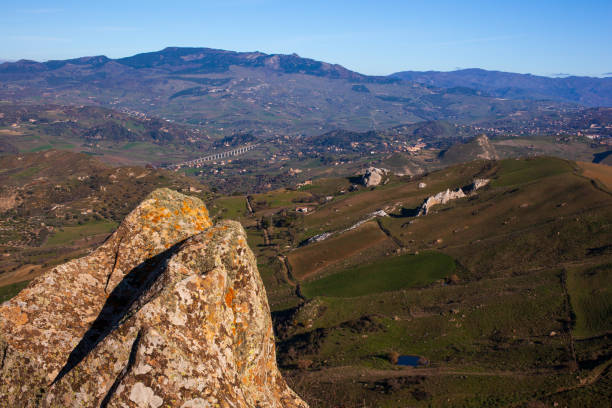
544	38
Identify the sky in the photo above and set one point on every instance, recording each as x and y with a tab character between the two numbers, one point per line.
372	37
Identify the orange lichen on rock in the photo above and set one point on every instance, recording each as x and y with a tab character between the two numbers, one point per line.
167	312
229	297
14	315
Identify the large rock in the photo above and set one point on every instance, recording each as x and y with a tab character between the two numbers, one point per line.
374	176
478	183
169	311
444	197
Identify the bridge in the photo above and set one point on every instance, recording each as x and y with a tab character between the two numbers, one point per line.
212	157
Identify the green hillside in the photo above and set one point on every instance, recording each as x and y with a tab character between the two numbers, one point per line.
503	294
506	299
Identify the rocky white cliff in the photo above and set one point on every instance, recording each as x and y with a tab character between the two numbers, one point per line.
444	197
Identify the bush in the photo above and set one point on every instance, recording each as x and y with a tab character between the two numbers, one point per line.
393	357
304	364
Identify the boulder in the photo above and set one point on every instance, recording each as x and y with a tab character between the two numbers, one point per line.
170	311
478	183
374	176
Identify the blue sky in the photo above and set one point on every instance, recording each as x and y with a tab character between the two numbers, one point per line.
373	37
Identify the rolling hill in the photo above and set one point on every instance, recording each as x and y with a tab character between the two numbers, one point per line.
489	327
492	327
55	205
587	91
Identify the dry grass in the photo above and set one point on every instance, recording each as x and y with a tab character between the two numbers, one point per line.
599	172
308	261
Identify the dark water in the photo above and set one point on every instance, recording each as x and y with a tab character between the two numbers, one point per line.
412	361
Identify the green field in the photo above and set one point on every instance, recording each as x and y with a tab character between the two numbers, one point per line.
388	274
519	171
232	208
132	145
327	186
9	291
40	148
280	198
591	297
24	174
72	233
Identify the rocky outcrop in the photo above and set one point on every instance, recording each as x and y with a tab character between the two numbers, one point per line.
170	311
487	152
444	197
325	235
478	183
374	176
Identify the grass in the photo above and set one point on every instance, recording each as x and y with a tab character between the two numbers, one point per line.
327	186
599	172
27	173
590	293
311	259
190	171
499	325
508	244
72	233
62	145
232	208
132	145
40	148
388	274
280	198
525	170
349	208
9	291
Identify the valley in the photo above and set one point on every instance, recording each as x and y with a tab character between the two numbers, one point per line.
459	221
446	286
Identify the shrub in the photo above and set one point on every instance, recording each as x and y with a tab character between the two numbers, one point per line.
393	357
304	364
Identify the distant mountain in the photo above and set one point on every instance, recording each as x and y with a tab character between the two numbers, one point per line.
228	92
588	91
183	60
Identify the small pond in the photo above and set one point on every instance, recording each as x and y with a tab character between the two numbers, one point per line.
412	361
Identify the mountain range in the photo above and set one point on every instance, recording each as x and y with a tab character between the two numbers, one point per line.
588	91
226	91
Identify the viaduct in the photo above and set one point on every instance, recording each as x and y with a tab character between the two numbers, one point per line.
216	156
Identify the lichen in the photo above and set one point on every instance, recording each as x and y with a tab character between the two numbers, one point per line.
169	311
